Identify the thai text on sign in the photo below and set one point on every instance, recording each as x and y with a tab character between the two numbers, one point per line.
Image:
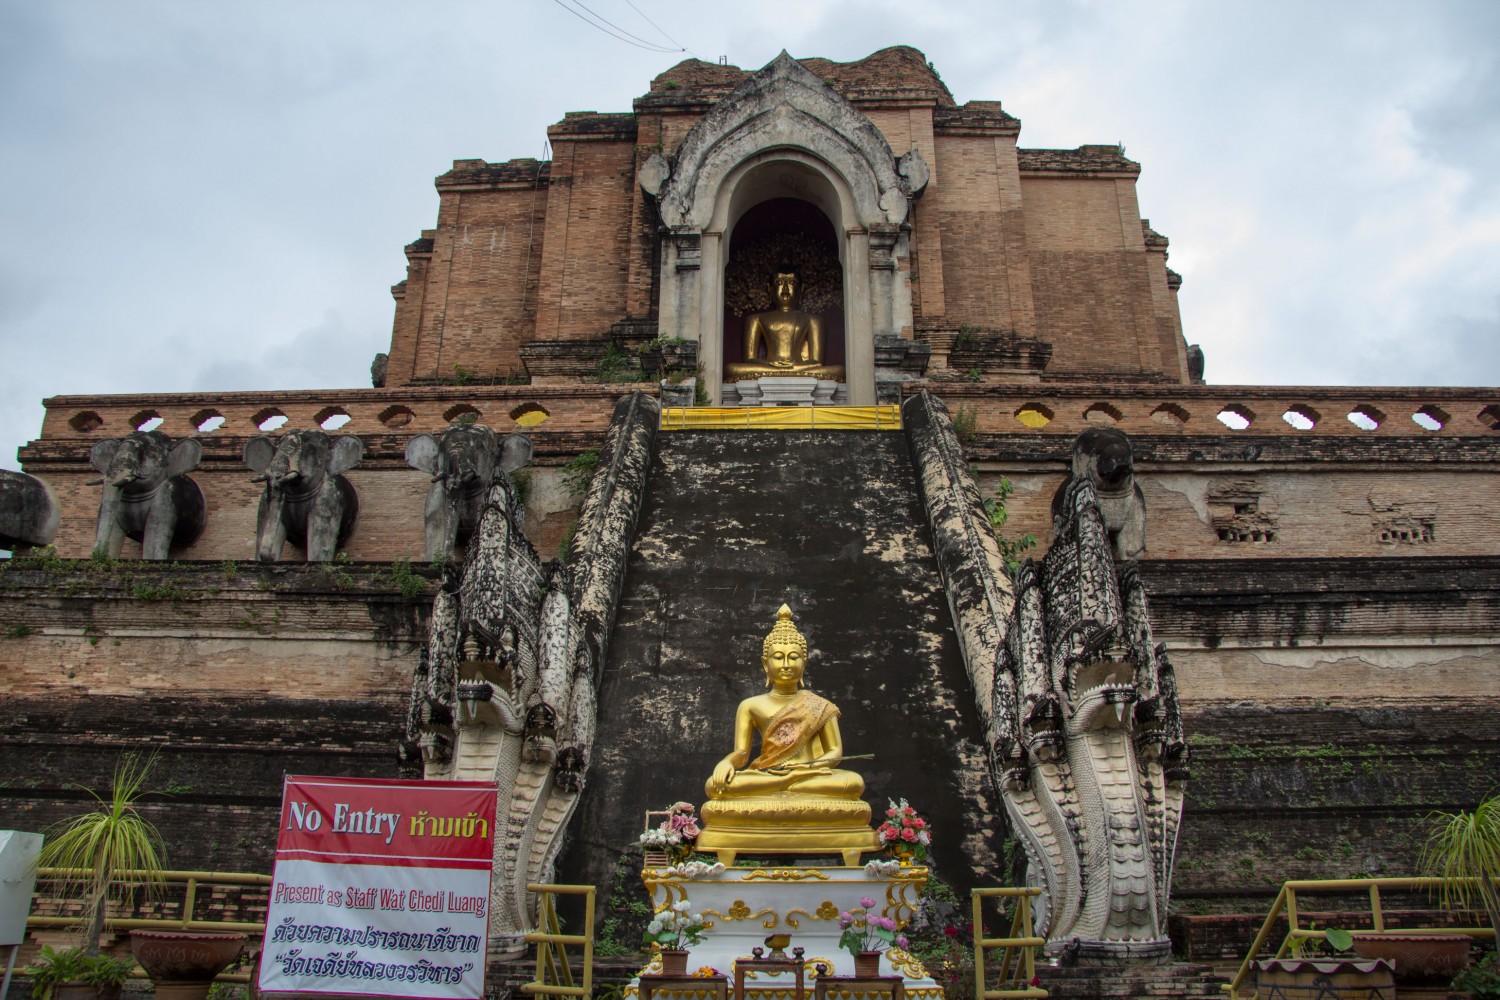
381	888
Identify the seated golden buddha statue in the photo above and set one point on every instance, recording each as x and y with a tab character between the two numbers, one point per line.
793	339
792	798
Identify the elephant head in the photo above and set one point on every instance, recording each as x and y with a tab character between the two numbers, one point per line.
462	461
147	494
306	498
1103	456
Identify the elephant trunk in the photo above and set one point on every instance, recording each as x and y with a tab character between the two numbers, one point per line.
270	532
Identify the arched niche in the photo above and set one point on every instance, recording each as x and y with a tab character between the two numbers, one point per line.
784	231
785	133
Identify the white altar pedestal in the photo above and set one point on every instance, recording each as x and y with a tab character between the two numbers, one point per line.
742	906
785	390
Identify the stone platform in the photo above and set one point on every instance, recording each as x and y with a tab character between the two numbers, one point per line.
1179	981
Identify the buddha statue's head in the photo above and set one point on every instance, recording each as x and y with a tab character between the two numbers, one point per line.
786	287
783	656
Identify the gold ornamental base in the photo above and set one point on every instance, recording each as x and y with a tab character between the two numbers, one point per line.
787	825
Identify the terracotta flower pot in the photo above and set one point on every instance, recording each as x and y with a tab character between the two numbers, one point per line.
674	961
1418	957
867	964
1324	979
75	991
183	964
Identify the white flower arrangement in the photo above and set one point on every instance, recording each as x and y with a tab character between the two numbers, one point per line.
675	927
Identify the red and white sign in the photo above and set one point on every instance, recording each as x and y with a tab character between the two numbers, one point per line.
381	888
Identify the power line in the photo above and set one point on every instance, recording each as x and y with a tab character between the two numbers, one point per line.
620	34
663	33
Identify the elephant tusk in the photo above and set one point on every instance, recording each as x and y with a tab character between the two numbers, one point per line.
260	479
437	477
94	482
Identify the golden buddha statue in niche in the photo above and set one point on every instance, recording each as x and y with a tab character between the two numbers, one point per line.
793	339
793	797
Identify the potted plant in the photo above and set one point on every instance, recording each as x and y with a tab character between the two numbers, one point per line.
73	974
673	930
1325	968
1480	980
95	848
904	833
866	936
58	975
106	975
1464	848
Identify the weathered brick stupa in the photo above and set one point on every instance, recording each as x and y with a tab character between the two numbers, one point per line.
253	583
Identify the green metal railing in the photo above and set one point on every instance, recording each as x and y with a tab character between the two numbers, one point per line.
1017	951
1286	905
189	880
553	976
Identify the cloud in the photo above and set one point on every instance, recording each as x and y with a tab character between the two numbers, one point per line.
204	196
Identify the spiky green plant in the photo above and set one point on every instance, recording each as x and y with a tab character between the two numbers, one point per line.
96	847
1466	845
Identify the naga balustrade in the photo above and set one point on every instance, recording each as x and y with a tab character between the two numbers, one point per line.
554	976
1018	948
1285	905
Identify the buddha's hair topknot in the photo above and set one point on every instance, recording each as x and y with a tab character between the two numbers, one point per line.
784	631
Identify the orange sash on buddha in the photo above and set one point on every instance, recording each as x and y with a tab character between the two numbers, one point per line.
792	728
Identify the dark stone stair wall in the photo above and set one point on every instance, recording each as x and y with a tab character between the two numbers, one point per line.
734	524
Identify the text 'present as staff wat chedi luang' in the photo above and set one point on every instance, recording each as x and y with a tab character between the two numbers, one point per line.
791	445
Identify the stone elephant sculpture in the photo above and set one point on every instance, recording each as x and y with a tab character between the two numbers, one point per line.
1103	455
148	495
306	500
463	462
28	510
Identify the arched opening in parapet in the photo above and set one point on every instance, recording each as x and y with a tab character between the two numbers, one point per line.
775	233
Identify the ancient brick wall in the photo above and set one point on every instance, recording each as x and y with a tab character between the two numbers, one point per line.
586	260
478	275
1091	276
235	674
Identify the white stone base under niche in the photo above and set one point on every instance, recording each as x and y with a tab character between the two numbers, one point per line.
785	391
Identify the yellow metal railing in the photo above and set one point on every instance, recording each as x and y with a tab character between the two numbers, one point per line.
190	880
1017	950
1285	905
554	977
802	418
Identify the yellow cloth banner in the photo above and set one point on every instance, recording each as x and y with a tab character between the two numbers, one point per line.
788	418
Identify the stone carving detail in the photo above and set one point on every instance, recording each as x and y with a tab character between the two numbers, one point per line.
463	462
148	495
1079	705
783	105
505	688
306	500
28	510
1102	455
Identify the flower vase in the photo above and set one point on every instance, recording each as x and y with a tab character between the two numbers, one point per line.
678	853
867	964
674	962
903	852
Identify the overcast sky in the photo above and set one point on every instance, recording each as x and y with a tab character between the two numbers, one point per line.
199	196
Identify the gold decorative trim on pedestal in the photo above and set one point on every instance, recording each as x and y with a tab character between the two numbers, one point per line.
906	963
784	874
